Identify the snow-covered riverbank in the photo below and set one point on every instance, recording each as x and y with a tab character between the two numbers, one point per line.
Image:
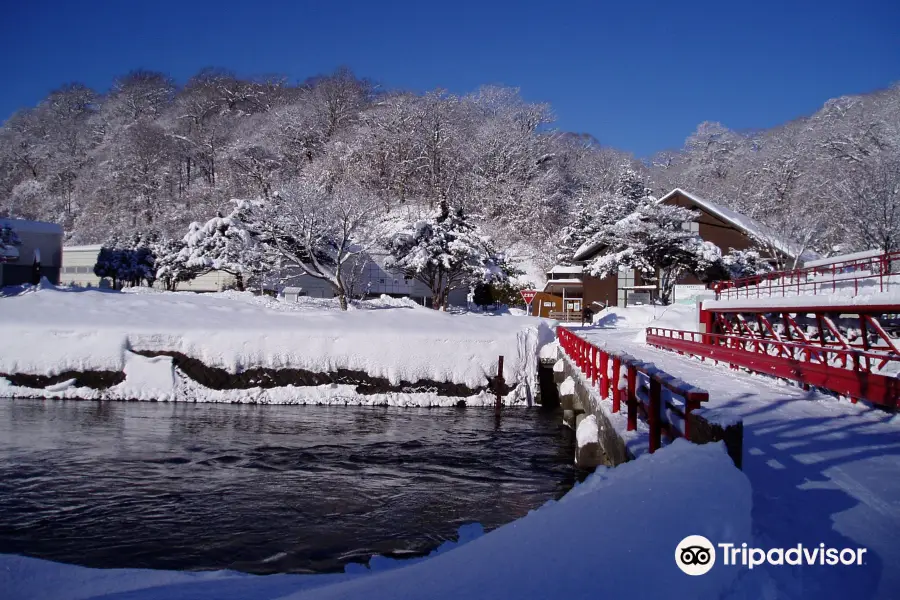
234	347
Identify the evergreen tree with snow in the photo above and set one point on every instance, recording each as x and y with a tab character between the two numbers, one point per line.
631	185
592	213
109	263
171	264
446	251
654	240
223	243
127	262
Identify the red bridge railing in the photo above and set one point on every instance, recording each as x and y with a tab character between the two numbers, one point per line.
858	374
874	274
616	376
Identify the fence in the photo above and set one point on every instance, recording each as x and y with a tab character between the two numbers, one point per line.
622	384
846	371
874	274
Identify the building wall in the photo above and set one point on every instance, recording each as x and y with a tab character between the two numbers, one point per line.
78	269
713	229
46	239
538	308
78	266
599	290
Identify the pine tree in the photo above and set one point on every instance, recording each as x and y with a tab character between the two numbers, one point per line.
130	261
223	243
444	252
171	264
631	185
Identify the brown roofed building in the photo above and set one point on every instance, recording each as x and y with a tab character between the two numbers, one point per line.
715	223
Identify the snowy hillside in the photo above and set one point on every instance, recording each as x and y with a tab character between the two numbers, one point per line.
140	333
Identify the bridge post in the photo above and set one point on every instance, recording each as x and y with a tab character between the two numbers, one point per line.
592	364
631	400
616	396
653	415
689	405
604	374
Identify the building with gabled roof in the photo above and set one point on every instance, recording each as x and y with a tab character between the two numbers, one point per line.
715	223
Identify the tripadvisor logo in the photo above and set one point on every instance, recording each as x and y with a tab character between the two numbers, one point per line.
696	555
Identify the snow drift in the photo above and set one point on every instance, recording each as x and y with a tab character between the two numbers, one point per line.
61	333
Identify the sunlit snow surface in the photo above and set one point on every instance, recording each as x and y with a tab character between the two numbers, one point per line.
57	330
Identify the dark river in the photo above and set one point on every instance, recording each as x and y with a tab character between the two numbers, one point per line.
264	489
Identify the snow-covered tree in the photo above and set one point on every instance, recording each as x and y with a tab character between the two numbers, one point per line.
446	251
592	213
655	241
631	184
744	263
316	229
171	264
872	202
225	243
128	261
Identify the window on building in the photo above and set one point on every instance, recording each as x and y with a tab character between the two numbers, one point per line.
692	226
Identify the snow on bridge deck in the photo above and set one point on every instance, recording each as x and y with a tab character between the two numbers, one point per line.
823	471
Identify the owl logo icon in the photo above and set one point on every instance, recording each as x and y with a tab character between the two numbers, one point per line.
695	555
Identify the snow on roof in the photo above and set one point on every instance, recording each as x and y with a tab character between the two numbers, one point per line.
744	223
23	226
565	282
566	269
562	283
585	250
843	258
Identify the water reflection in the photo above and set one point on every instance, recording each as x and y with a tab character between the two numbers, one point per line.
263	488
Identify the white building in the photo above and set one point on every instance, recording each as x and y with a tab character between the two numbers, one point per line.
41	242
78	269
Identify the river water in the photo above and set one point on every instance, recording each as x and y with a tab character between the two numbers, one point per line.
264	489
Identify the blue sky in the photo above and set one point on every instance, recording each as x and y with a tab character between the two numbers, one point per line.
637	75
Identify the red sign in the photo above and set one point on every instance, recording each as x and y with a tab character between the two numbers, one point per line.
528	295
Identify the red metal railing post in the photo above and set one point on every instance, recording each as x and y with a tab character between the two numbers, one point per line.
653	415
616	398
690	404
632	398
604	374
592	354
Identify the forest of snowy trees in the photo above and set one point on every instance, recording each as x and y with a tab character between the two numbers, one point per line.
150	157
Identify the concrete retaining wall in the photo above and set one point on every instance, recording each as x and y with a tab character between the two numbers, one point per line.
612	449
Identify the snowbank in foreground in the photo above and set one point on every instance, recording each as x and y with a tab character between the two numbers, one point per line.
614	536
57	330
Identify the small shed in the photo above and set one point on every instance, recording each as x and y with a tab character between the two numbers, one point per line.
40	243
292	294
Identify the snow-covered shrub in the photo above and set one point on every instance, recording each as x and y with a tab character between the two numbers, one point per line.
127	262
